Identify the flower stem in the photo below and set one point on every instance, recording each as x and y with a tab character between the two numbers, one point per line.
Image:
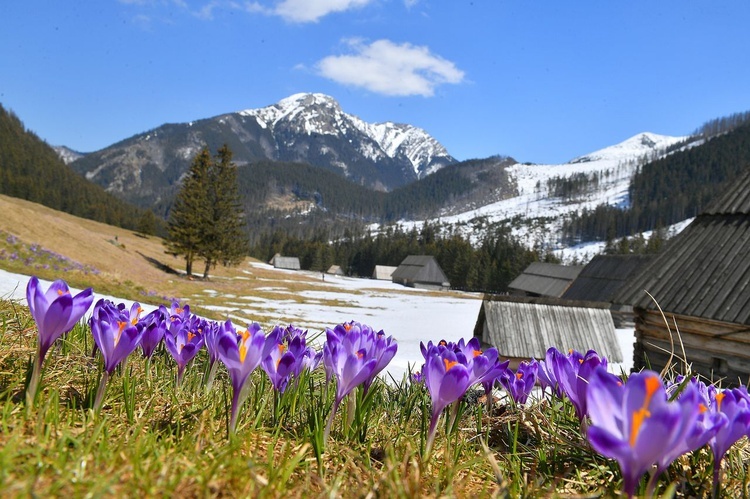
330	420
36	374
431	434
100	392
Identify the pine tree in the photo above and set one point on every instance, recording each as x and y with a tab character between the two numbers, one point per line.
191	216
224	240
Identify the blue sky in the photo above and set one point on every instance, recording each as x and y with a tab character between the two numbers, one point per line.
542	81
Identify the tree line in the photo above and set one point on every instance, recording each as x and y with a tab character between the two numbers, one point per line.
488	266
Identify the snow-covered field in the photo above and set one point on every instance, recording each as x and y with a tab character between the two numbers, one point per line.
410	318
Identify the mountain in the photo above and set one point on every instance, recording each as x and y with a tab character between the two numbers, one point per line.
546	195
67	155
305	128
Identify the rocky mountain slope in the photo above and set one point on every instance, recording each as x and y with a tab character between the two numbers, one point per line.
307	128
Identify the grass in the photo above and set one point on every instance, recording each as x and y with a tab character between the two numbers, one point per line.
153	439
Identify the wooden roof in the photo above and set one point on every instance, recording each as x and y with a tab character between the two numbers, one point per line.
603	277
420	268
705	270
546	279
286	262
521	327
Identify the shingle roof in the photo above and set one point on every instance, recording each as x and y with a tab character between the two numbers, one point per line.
526	327
705	270
603	277
546	279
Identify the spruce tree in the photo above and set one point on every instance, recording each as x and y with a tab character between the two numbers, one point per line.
225	241
191	216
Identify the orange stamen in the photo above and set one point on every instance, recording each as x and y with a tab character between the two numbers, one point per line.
449	364
639	416
519	375
702	408
719	397
121	327
477	353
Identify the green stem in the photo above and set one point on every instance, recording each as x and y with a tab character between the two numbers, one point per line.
100	392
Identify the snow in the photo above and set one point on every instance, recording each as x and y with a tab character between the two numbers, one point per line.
410	316
541	215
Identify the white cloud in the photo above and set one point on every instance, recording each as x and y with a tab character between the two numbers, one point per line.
305	11
388	68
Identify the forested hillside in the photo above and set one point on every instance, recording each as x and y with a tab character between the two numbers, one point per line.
670	189
30	169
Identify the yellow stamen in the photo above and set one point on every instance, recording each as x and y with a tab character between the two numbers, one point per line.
449	364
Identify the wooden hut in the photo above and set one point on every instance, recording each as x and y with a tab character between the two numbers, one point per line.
544	279
286	262
335	270
522	328
702	283
603	278
383	272
420	271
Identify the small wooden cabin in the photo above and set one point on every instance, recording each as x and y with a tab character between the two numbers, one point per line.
383	272
335	270
702	283
421	271
286	262
522	328
544	279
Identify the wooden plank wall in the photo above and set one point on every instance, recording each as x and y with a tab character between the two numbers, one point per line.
716	350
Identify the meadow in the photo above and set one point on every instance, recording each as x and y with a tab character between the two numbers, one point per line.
152	436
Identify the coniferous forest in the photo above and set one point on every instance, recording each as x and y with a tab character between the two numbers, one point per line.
671	189
30	169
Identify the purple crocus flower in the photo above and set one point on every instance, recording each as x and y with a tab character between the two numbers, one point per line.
55	312
114	333
635	424
733	406
450	369
116	336
349	357
284	359
154	327
241	357
212	333
183	342
572	373
520	383
375	345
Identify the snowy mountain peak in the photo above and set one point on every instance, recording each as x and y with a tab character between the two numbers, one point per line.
319	114
638	146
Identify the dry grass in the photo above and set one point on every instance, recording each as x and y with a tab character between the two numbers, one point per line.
135	267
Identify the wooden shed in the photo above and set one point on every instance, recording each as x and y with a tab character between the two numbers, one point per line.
544	279
420	271
383	272
603	278
524	327
702	282
335	270
286	262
